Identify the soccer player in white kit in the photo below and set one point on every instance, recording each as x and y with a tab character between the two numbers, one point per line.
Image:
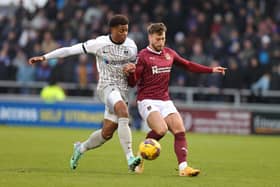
112	52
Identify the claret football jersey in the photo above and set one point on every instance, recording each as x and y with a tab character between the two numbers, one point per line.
153	72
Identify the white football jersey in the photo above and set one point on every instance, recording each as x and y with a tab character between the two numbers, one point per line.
110	59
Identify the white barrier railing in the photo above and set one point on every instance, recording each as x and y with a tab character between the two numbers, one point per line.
187	92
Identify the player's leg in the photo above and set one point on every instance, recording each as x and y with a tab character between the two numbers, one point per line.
150	113
96	139
116	104
176	126
99	137
157	125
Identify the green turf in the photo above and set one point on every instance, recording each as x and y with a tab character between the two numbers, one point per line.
39	157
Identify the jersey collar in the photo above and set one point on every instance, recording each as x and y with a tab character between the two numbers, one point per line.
114	41
153	51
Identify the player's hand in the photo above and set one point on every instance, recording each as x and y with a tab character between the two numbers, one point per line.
219	69
36	59
129	68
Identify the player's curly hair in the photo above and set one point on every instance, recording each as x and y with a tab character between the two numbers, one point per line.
158	28
118	19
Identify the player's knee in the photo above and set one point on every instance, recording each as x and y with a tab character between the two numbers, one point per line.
161	131
123	113
107	134
121	109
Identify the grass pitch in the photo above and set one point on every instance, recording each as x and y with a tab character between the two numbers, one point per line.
39	157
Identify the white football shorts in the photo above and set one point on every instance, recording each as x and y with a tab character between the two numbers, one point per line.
146	106
110	95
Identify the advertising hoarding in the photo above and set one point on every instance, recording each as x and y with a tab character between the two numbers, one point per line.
57	115
216	121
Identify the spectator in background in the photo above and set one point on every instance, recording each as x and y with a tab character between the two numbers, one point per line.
12	44
250	31
25	74
39	21
48	43
217	24
228	26
27	36
246	53
233	44
181	82
7	69
35	49
137	35
253	72
262	84
52	92
275	78
234	78
5	62
43	71
199	57
213	80
175	14
215	46
84	75
198	54
51	10
264	52
202	26
61	25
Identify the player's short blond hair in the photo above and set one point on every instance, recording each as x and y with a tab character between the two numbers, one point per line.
158	28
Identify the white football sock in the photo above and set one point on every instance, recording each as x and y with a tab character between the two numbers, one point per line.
95	140
124	133
183	165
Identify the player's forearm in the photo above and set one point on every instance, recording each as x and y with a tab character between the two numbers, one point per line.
192	66
198	68
64	52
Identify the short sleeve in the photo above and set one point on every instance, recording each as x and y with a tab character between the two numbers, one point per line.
91	46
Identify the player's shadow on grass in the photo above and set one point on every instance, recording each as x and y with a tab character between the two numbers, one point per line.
32	170
64	170
84	172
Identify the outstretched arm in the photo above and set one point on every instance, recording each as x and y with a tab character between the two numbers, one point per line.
59	53
197	68
191	66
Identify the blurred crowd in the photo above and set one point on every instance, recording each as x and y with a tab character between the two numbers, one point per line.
242	35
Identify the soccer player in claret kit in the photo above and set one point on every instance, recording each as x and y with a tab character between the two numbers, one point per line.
112	52
152	76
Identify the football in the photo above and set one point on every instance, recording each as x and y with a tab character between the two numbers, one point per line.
149	149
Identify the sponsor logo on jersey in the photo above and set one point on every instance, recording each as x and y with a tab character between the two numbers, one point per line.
112	62
157	70
106	61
